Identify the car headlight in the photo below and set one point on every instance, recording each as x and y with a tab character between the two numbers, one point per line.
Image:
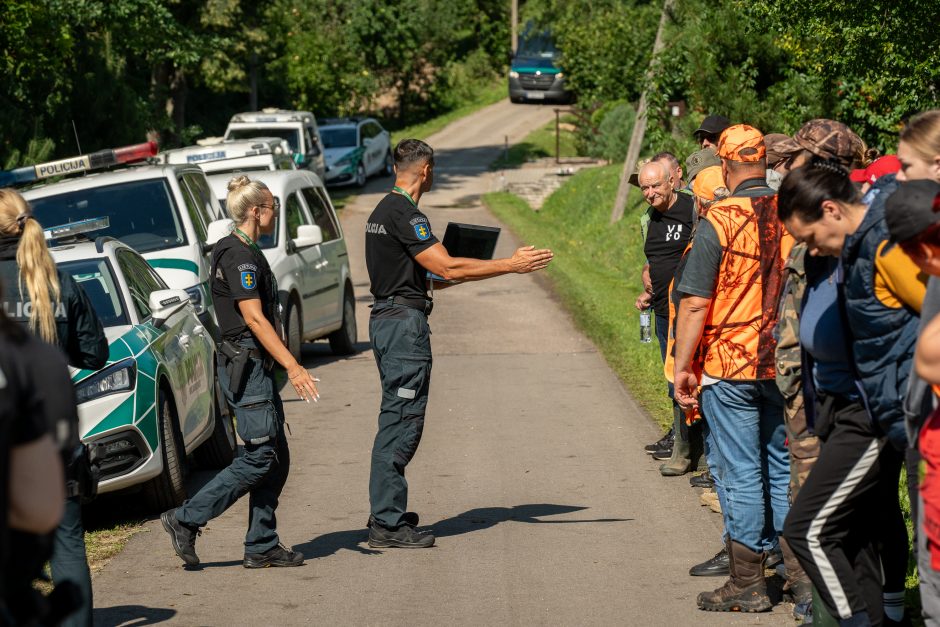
513	74
345	162
560	75
196	298
118	377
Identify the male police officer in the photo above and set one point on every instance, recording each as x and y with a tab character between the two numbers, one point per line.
400	251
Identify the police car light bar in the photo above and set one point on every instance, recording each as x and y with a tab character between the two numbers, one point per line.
76	228
92	161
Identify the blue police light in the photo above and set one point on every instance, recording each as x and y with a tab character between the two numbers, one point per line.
75	228
92	161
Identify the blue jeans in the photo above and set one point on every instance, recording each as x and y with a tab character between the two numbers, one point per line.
745	447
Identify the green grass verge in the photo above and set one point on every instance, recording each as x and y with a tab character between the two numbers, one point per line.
596	273
539	144
487	96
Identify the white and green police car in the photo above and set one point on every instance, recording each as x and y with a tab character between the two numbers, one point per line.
156	401
355	149
161	211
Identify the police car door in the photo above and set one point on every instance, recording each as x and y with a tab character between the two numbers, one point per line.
182	344
333	252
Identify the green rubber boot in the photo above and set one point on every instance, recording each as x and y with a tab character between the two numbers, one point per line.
681	460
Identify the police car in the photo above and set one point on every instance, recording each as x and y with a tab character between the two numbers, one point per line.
307	254
235	156
156	401
161	211
355	149
299	128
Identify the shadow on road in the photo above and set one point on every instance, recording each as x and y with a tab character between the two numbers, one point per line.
131	615
471	520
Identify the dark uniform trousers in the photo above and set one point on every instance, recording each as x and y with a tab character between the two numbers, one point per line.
261	470
401	342
69	563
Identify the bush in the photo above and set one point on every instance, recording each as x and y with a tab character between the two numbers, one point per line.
460	82
614	123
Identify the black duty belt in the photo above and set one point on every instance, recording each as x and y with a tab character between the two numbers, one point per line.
421	304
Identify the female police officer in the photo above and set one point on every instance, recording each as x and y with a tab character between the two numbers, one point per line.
245	295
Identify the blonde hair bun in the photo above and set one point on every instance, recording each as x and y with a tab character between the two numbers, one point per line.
238	182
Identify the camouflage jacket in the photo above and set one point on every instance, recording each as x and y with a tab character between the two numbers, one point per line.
787	333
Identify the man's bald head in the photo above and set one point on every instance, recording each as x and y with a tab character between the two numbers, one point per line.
656	185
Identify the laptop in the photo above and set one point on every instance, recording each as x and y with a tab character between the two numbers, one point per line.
468	240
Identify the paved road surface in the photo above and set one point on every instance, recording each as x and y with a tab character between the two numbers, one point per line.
531	472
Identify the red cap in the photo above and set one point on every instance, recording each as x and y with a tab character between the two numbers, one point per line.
888	164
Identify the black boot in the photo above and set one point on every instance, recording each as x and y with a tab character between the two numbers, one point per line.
717	566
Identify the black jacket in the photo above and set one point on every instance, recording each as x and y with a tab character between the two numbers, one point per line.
80	334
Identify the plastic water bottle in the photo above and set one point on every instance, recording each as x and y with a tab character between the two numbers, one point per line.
646	330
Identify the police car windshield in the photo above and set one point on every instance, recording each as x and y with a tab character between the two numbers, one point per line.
292	135
95	278
142	213
338	137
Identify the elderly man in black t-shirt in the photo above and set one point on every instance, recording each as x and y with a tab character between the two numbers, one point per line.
400	252
668	233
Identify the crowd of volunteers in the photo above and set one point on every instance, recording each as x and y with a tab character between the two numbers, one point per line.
792	282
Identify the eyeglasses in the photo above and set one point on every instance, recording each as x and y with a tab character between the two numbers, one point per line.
275	207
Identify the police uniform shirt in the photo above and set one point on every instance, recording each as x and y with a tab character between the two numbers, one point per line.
667	237
396	232
240	272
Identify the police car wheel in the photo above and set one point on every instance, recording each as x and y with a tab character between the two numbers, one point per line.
343	339
389	164
219	450
166	490
360	175
293	331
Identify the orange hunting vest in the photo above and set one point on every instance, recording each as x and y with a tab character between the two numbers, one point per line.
738	338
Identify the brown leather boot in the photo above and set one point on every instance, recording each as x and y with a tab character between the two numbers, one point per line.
745	590
798	582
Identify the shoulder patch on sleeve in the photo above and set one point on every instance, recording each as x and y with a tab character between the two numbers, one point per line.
249	279
422	230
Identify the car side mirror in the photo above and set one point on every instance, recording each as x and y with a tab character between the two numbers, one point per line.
298	159
308	235
165	303
217	230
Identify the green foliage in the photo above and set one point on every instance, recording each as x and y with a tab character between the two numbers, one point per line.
614	129
540	143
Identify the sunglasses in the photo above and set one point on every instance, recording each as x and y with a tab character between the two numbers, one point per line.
276	206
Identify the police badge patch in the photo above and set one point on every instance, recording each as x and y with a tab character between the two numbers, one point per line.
249	280
422	230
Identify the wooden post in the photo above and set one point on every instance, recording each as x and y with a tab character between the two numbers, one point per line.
557	132
639	128
514	17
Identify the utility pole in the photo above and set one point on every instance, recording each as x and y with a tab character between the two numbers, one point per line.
639	128
514	18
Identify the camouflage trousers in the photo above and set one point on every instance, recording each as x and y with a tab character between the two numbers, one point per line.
802	444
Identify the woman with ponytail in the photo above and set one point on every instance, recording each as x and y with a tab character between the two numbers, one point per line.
52	305
858	322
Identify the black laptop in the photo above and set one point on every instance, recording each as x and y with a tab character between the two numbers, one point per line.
468	240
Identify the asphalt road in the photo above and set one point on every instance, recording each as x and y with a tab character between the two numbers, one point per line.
531	471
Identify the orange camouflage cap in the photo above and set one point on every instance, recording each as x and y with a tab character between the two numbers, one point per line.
741	143
707	181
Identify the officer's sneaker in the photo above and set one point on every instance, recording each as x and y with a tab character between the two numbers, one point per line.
405	537
408	518
183	537
278	556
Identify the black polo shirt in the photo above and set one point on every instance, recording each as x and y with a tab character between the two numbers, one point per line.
666	239
396	232
241	272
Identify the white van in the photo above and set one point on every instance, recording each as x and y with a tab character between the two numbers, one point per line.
299	128
307	253
235	156
161	211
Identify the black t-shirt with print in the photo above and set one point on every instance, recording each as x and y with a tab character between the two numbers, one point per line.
395	233
240	272
666	239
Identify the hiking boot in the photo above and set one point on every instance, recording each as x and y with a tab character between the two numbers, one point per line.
704	480
797	581
745	590
708	497
405	537
278	556
714	567
664	442
183	537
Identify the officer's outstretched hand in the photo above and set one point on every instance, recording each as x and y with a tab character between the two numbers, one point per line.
304	384
528	259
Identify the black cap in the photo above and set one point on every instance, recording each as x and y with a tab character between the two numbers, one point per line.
712	125
912	209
